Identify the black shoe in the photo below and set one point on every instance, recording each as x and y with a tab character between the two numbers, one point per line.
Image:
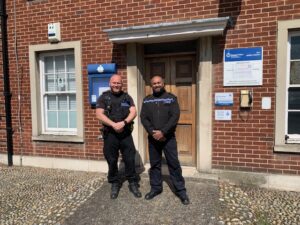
133	188
115	188
184	199
151	195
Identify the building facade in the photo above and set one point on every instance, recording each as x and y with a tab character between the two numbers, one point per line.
234	65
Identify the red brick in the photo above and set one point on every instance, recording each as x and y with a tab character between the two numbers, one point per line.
256	25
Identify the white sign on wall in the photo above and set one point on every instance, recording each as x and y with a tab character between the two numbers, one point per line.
222	114
224	99
102	89
243	66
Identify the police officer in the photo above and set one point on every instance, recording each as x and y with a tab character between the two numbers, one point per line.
116	110
159	115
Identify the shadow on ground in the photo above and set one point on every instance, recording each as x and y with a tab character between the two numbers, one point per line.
164	209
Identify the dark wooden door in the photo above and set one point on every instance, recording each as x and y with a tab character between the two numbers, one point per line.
179	76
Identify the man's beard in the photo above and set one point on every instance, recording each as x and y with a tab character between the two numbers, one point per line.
158	92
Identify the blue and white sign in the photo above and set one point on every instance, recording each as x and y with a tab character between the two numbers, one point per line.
223	115
102	68
243	66
222	99
99	76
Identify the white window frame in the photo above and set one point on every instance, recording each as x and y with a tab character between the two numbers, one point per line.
292	138
284	29
45	128
38	131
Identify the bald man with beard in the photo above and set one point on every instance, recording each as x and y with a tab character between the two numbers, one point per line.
159	115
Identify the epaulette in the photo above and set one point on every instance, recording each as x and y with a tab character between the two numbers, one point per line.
149	96
125	93
106	92
126	96
174	96
107	97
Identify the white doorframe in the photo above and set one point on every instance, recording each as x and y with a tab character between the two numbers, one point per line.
204	105
204	100
136	90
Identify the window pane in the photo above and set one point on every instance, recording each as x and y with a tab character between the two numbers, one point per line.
58	77
70	63
72	119
295	47
62	119
52	119
49	64
51	102
62	102
61	82
71	82
49	82
294	98
72	102
294	123
295	72
60	64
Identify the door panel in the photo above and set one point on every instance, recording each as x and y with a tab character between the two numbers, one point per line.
179	75
183	76
184	97
154	67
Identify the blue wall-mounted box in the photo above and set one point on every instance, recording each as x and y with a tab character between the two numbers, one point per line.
99	75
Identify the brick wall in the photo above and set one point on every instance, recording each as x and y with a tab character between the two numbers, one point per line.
246	143
240	145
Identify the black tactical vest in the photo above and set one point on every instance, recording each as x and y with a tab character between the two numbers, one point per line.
116	106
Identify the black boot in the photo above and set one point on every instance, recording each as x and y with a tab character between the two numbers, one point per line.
134	189
115	188
152	194
184	199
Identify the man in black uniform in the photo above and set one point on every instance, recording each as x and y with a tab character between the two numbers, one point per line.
159	115
116	110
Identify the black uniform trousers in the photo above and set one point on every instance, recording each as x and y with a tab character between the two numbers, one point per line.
114	142
171	154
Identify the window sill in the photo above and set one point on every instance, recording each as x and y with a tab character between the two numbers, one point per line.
58	138
288	148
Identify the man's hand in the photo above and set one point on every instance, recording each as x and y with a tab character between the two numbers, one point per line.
119	126
158	135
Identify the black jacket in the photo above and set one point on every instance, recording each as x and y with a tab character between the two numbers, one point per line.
160	113
116	106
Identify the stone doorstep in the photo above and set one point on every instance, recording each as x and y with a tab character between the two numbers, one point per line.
272	181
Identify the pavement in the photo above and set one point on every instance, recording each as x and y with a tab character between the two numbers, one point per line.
31	195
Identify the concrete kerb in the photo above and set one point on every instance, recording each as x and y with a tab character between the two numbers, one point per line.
273	181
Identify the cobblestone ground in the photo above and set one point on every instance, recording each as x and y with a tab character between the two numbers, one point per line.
259	206
47	196
43	196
